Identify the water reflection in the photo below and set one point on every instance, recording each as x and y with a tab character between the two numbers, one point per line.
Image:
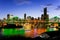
27	33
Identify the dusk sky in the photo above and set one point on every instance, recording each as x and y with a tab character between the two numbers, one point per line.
32	8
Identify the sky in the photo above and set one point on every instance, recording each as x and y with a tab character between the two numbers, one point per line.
32	8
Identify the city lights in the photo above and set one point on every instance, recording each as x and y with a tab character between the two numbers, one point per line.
31	27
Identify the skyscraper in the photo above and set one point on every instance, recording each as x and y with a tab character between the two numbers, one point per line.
25	16
45	11
8	16
38	18
45	17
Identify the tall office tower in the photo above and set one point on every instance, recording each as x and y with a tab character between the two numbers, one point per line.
25	16
38	18
45	17
45	11
8	16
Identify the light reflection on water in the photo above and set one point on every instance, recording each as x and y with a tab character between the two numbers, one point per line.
26	33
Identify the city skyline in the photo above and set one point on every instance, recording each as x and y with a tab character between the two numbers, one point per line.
32	8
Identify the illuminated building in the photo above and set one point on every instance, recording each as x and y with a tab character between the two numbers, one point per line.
45	17
11	16
55	19
4	23
28	17
8	16
25	16
38	18
27	26
55	24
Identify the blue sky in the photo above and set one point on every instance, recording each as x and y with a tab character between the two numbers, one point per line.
32	8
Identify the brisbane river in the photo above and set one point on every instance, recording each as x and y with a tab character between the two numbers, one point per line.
27	33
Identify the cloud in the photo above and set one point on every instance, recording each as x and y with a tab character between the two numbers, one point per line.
58	8
46	5
49	5
21	2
